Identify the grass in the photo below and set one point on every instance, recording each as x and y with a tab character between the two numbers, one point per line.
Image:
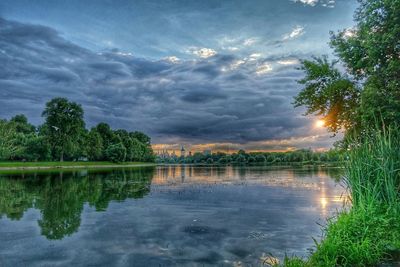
368	233
55	164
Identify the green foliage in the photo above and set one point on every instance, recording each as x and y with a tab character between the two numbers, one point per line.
373	171
63	136
355	238
260	158
116	152
223	160
369	86
241	158
64	125
94	145
328	93
358	238
369	232
22	125
10	144
303	156
36	148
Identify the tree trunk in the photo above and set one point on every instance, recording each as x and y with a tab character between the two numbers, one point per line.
62	156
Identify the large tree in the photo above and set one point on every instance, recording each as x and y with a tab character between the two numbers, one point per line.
64	125
10	144
22	125
364	87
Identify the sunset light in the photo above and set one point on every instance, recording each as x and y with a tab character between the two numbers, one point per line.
191	133
320	123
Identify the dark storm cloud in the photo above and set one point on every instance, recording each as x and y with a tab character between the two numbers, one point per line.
221	98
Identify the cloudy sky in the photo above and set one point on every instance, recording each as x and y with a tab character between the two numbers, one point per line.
207	74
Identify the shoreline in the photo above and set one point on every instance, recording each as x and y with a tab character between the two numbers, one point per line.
81	166
43	166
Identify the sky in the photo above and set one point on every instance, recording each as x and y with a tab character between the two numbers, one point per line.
207	74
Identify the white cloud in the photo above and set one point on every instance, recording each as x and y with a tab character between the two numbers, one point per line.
254	56
125	54
296	32
307	2
250	41
172	59
263	69
324	3
232	48
288	61
236	64
203	52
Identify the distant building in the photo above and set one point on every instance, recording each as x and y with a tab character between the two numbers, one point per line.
183	152
190	153
163	154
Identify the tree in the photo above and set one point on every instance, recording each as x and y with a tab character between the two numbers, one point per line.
260	158
9	145
36	148
94	144
241	158
143	138
22	125
368	88
116	153
223	160
64	123
251	159
328	93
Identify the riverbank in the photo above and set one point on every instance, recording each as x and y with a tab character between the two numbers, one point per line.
368	234
4	166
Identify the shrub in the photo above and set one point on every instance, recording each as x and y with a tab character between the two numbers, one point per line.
260	158
116	153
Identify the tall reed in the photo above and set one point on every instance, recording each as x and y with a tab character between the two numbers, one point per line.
373	170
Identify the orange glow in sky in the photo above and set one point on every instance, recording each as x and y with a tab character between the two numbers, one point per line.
320	123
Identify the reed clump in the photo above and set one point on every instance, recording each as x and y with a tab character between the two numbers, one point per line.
369	232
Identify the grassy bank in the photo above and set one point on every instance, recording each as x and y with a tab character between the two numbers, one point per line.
67	164
369	233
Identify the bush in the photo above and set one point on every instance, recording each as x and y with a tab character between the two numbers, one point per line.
116	153
241	159
223	160
260	158
252	159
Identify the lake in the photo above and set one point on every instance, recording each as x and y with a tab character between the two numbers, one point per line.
164	216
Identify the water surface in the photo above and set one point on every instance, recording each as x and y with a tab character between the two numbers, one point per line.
163	216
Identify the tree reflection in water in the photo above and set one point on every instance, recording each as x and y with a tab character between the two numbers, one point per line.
60	196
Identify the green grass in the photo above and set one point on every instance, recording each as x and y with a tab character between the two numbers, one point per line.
368	233
55	164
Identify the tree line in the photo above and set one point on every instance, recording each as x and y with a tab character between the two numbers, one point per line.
63	136
242	157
